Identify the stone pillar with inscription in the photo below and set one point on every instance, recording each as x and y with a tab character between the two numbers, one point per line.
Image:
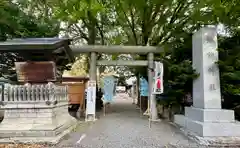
206	118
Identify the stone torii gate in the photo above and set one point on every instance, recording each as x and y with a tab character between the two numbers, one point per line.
143	50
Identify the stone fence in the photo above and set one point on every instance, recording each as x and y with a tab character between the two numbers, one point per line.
48	93
32	111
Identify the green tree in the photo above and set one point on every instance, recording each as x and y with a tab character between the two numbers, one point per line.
229	65
16	23
85	21
227	13
178	73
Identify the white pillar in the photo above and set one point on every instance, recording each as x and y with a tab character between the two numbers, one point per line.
206	118
206	88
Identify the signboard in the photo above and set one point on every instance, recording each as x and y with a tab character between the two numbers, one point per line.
36	71
109	83
91	98
158	78
143	87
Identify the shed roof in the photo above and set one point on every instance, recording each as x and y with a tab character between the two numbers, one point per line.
33	44
40	47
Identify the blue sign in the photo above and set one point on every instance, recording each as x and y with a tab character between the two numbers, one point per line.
143	87
108	88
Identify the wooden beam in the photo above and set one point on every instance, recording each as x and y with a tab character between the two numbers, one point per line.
116	49
123	63
69	53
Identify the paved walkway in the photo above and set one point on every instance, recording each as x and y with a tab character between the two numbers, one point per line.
124	128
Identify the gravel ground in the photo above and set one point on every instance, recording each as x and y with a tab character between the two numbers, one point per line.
122	127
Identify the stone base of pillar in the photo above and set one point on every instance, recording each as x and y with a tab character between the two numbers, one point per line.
209	123
36	122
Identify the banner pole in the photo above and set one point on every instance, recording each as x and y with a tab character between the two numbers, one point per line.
104	109
140	105
150	115
104	106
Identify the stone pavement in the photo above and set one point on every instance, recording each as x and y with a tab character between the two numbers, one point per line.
122	127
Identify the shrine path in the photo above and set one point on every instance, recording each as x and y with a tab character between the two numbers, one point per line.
124	128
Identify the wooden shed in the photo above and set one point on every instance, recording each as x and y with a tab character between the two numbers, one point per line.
76	91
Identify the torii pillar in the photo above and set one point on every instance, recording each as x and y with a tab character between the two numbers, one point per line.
91	100
151	97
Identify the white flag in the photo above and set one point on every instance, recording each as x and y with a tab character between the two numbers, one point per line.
158	78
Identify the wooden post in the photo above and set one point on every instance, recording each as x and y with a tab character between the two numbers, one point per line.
84	100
